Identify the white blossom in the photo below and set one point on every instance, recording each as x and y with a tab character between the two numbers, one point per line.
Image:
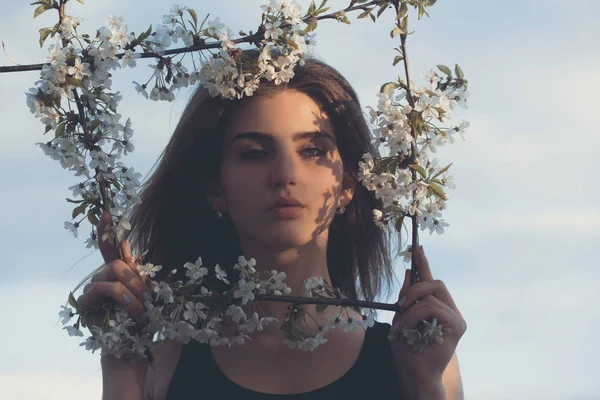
195	271
66	313
73	331
246	267
148	269
245	291
221	274
236	313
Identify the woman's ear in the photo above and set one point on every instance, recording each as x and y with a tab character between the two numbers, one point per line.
348	188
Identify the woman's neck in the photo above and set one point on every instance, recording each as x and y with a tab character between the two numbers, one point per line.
298	264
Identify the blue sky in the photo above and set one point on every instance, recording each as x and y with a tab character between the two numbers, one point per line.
519	257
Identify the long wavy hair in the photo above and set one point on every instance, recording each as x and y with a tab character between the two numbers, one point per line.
174	223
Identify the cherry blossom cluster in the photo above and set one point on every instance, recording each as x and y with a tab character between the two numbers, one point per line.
394	123
228	75
182	311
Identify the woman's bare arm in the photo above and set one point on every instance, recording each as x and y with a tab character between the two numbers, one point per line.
452	380
158	378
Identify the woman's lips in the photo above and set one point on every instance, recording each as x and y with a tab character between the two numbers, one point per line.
287	212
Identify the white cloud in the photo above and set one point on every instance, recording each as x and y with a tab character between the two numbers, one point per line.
49	385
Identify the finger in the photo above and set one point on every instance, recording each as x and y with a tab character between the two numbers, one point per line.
426	302
119	271
436	288
452	323
109	253
423	265
127	256
116	291
405	287
405	284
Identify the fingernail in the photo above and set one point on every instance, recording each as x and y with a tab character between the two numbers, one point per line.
126	299
147	297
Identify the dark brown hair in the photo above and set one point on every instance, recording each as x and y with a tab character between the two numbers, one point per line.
175	224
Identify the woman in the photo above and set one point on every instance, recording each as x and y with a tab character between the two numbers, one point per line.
274	177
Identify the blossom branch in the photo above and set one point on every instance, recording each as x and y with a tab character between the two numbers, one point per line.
202	45
86	131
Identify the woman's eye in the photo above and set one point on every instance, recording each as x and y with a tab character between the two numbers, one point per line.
257	154
253	154
314	152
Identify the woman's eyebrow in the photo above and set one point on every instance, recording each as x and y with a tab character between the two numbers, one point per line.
262	136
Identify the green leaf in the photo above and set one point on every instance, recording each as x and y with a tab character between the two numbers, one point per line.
364	14
312	8
429	3
395	32
341	17
386	87
145	35
47	129
79	210
419	169
93	219
437	190
312	25
441	171
382	8
75	82
60	130
323	10
397	59
445	69
44	32
204	21
402	11
41	9
372	17
194	16
404	25
72	301
322	4
459	72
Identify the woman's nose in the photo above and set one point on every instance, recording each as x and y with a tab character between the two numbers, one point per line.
285	170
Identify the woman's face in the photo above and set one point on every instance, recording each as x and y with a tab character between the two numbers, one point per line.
281	148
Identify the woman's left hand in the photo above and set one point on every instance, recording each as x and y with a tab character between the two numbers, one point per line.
434	301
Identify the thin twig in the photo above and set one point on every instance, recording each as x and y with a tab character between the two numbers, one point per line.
414	274
306	300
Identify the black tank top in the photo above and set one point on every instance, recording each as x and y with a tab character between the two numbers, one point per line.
373	375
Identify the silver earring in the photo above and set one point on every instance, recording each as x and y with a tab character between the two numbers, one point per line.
340	210
219	214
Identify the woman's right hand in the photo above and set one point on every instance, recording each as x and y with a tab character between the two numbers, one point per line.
118	282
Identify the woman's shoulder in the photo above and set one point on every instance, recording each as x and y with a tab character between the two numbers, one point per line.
166	356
